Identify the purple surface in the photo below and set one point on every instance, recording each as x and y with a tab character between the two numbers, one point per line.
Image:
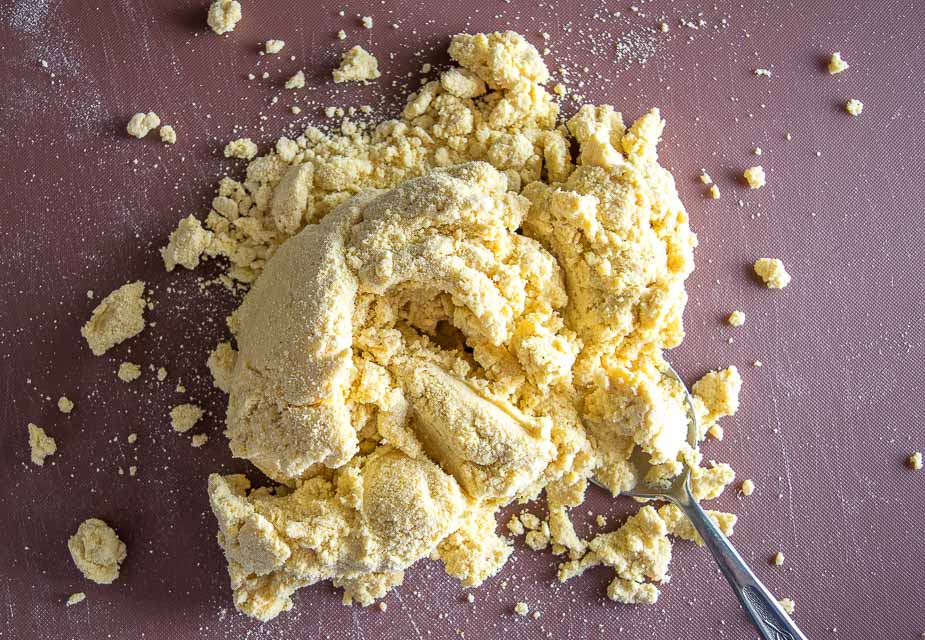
825	424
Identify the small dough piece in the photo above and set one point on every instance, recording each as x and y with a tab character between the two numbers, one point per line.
772	272
273	46
755	177
184	417
788	604
198	440
141	124
117	318
854	107
224	15
736	318
836	64
521	608
76	598
168	134
129	371
717	393
221	365
242	148
748	487
357	65
297	81
714	192
65	404
367	22
97	551
186	244
778	559
41	444
915	461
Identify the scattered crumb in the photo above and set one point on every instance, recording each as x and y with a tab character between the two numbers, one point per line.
757	363
915	461
601	520
129	371
65	404
117	318
854	107
772	272
295	109
470	598
41	444
757	151
748	487
787	605
184	417
273	46
357	65
297	81
132	470
132	438
168	134
755	177
515	526
367	22
763	72
521	608
836	64
76	598
242	148
778	559
383	607
663	27
705	178
198	440
161	374
97	551
186	244
341	35
224	15
736	318
141	124
714	192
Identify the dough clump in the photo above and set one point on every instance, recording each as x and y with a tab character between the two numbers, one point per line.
447	312
772	272
357	65
118	317
97	551
41	445
223	15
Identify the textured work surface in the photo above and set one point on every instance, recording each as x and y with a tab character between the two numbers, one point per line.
825	424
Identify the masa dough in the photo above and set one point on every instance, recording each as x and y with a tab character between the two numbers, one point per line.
41	445
448	312
117	318
97	551
357	65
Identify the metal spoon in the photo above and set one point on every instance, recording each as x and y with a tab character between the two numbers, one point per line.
762	608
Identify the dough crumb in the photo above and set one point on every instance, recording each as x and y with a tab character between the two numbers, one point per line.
129	371
65	404
273	46
716	395
41	444
118	317
132	470
714	192
186	244
168	134
470	598
778	559
367	22
772	272
748	487
787	605
242	148
341	35
97	551
141	124
705	178
383	607
198	440
184	417
854	107
763	72
296	81
357	65
736	318
76	598
915	461
161	374
836	64
224	15
521	608
132	438
755	177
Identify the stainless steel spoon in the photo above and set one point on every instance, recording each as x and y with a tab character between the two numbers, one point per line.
762	608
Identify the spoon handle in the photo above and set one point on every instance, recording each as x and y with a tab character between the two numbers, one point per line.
761	607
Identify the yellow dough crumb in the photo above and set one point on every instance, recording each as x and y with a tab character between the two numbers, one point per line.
132	438
168	134
224	15
65	404
755	177
141	124
198	440
736	318
772	272
76	598
242	148
915	460
367	22
296	81
341	35
186	244
787	605
714	192
836	64
521	608
41	445
117	318
184	417
778	559
97	551
128	372
272	47
161	374
748	487
357	65
854	107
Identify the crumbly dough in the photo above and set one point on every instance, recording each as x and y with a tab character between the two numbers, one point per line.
186	244
357	65
41	445
447	312
141	124
748	487
118	317
242	148
273	46
184	417
97	551
788	605
168	134
65	404
836	64
223	15
854	107
296	81
736	318
198	440
755	177
76	598
129	372
772	272
915	460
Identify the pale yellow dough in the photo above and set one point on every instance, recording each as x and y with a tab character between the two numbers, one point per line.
41	445
448	312
117	318
772	272
357	65
97	551
223	15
